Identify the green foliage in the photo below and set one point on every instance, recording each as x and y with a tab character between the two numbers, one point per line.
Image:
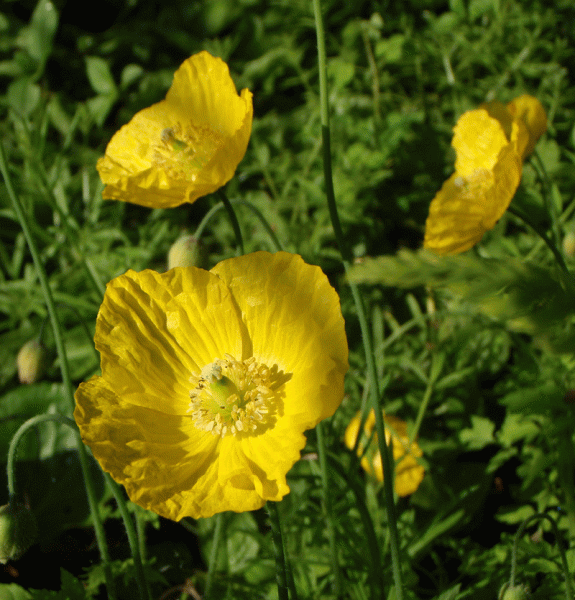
483	341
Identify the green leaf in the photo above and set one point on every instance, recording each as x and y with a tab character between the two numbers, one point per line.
71	589
12	591
23	96
479	435
527	297
36	38
100	76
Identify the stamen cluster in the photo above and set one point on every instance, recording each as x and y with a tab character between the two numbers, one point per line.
232	396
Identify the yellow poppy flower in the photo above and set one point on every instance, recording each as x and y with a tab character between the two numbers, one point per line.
185	146
491	143
210	378
408	472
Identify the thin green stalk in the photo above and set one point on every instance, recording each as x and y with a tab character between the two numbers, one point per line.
220	205
213	560
143	588
365	332
558	256
435	371
547	199
281	562
32	422
376	579
263	221
326	493
233	218
68	391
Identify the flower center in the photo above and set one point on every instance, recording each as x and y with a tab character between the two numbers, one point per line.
184	152
232	396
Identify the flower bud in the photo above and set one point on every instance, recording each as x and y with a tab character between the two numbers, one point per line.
569	244
31	361
17	531
516	592
185	252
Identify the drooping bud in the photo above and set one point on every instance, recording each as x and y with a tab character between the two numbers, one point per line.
31	361
185	252
17	531
516	592
569	244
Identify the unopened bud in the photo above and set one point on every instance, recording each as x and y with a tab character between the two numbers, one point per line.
516	592
569	244
185	252
31	361
17	531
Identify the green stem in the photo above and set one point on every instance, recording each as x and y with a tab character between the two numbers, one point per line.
213	560
435	371
143	588
547	199
384	448
558	256
328	513
68	391
220	205
376	579
32	422
233	219
281	564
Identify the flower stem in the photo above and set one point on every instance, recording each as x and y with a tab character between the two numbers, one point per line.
282	567
384	448
212	564
523	216
32	422
68	391
217	207
326	493
233	219
143	587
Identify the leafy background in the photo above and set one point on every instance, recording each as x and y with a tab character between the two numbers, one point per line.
497	435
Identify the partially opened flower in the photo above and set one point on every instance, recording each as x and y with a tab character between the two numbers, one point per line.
408	472
210	378
185	146
491	143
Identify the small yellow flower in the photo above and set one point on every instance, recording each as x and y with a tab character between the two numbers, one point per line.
491	143
210	378
185	146
408	472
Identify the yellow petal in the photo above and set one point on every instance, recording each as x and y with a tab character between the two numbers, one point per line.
294	320
150	452
479	137
530	111
154	330
161	337
468	206
184	147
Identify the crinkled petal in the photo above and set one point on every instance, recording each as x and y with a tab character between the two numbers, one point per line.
530	111
294	321
184	147
466	207
155	455
154	330
478	139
